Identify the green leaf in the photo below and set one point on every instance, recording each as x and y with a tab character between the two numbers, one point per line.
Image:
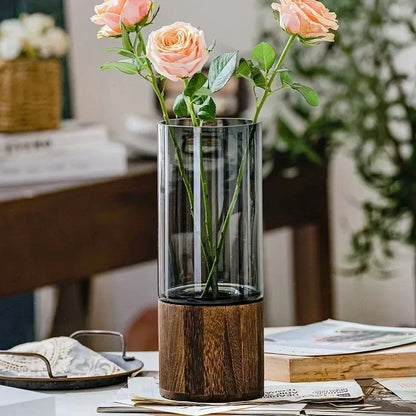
221	70
285	132
138	65
207	110
122	52
151	16
125	38
243	69
285	78
264	54
308	93
194	84
140	48
179	107
202	92
125	67
258	78
296	144
127	54
115	49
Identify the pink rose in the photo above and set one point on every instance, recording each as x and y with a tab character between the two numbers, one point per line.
112	12
309	19
177	51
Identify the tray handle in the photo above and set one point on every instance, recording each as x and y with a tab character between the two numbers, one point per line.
89	332
35	355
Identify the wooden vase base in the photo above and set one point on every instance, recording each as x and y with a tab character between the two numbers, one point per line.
211	353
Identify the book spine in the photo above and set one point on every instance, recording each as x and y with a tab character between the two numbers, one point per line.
82	165
40	142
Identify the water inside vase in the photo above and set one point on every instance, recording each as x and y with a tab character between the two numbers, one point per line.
210	216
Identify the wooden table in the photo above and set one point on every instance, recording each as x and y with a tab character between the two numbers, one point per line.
52	234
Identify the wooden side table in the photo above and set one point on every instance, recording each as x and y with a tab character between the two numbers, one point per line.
56	234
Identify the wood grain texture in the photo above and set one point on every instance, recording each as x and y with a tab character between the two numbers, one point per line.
67	233
211	353
311	268
301	202
58	233
394	362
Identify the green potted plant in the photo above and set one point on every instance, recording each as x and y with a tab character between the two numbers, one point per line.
371	111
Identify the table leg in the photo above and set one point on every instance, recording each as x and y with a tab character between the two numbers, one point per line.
72	307
312	273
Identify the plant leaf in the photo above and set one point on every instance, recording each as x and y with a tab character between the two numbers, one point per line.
122	52
127	54
202	92
140	48
194	84
207	110
124	67
114	49
179	107
221	70
258	78
308	93
285	78
125	38
264	54
243	69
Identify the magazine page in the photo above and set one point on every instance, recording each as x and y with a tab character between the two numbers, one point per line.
144	391
332	337
378	401
404	387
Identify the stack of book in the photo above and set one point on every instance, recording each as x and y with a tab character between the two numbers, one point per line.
76	151
339	350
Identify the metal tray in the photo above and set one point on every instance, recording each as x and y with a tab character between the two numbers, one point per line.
129	364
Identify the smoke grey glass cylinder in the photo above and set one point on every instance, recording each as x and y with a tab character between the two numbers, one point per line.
210	212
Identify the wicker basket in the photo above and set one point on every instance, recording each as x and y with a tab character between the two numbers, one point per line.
30	95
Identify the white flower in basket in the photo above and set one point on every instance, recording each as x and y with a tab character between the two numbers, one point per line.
33	35
30	74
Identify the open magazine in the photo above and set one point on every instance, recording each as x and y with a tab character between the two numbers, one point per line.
378	401
142	396
332	337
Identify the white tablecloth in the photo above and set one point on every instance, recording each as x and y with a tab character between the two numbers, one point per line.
85	402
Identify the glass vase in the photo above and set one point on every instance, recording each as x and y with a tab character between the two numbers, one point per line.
210	260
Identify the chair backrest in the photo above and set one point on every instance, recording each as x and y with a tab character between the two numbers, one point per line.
142	334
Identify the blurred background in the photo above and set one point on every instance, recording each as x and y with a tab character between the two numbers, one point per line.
362	139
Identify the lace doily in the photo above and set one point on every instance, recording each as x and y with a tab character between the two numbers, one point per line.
66	356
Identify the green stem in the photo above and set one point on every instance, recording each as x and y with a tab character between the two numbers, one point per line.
191	109
259	106
267	90
178	153
204	188
204	183
207	209
212	273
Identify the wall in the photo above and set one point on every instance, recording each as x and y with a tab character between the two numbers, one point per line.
132	96
108	97
369	299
